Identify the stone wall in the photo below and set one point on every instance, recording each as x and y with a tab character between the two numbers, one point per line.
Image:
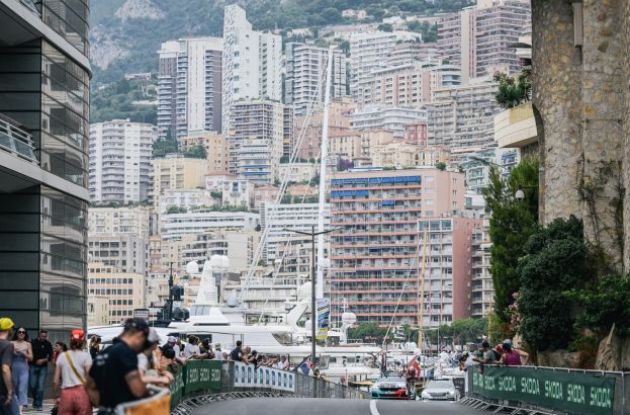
580	99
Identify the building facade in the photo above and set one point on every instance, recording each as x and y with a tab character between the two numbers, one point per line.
462	117
120	161
392	119
175	225
252	63
124	291
446	248
44	84
305	81
409	85
481	39
175	172
256	140
366	54
190	86
375	256
216	149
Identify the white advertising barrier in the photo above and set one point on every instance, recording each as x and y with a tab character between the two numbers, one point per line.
248	376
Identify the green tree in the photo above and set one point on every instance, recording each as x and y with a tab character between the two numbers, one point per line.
164	146
512	222
556	261
513	91
440	165
369	332
196	152
385	27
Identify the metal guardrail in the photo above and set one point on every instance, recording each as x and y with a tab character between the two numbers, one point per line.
549	390
204	378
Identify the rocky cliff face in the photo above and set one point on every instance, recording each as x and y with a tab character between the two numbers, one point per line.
139	9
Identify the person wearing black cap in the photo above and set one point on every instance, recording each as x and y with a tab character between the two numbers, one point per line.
114	374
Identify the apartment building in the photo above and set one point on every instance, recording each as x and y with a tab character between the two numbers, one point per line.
120	252
481	39
215	145
462	117
256	140
238	246
367	50
305	81
120	161
482	288
281	219
409	85
44	110
393	119
375	255
446	245
123	290
175	225
190	86
179	200
252	63
129	220
310	130
175	172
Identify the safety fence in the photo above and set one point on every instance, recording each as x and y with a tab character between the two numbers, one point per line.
583	392
206	377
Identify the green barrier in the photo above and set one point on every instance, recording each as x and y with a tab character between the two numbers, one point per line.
200	375
574	392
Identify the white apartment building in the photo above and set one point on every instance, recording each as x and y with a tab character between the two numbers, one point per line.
482	39
256	140
252	63
120	220
120	161
175	225
462	117
367	50
184	199
280	218
305	81
190	86
409	85
238	246
392	119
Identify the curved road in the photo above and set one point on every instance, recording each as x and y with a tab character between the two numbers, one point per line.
303	406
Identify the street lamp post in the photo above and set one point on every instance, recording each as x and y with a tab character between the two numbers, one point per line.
312	234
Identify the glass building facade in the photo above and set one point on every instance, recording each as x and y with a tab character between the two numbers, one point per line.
44	110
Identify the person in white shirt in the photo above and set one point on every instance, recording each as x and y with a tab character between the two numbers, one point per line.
70	374
218	353
191	350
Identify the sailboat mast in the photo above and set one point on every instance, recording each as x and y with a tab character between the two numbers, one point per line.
322	181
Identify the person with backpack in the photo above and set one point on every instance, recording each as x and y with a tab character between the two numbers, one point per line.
71	373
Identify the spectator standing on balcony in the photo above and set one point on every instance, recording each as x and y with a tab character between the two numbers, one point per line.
70	374
191	350
114	377
8	405
218	353
22	354
42	355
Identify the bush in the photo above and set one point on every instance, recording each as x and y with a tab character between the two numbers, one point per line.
556	261
604	304
513	91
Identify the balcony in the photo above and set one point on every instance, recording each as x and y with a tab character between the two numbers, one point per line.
16	140
516	127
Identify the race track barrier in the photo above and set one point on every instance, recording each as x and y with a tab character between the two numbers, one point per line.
583	392
208	377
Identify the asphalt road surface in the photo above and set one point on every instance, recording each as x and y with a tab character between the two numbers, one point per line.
297	406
